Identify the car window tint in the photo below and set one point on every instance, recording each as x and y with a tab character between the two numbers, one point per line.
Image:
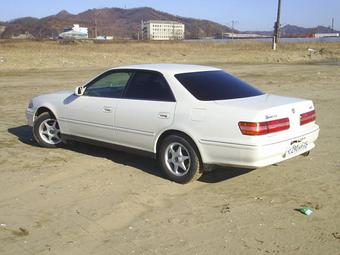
216	85
108	85
149	86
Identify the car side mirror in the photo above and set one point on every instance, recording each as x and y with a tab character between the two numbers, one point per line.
79	91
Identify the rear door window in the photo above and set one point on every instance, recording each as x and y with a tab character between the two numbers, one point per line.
216	85
149	86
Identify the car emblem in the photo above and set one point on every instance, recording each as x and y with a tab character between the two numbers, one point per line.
270	116
293	110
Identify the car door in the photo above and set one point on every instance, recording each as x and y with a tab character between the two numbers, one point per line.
147	107
92	114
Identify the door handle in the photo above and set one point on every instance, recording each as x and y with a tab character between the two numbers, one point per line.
107	109
163	115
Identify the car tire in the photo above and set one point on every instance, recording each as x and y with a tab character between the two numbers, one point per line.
179	159
46	131
306	154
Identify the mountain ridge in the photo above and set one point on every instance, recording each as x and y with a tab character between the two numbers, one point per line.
296	31
125	24
118	22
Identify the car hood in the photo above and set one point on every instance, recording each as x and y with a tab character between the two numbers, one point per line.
55	97
63	92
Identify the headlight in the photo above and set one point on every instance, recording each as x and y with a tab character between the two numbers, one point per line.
30	105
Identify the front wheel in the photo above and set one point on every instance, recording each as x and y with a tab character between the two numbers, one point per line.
46	131
179	159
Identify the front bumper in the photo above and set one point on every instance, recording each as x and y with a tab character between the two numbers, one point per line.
30	116
255	156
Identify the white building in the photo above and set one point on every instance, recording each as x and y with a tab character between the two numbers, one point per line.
242	36
75	32
321	35
104	37
163	30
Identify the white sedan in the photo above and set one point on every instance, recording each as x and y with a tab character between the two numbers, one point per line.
189	117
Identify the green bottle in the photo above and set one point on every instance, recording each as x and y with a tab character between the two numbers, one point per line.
306	210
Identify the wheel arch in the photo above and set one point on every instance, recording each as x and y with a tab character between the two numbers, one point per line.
180	133
43	109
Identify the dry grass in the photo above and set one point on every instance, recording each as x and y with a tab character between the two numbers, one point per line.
41	55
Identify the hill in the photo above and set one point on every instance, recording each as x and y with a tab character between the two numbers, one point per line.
291	30
121	23
296	31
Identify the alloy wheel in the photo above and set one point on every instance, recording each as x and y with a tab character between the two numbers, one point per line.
49	131
177	159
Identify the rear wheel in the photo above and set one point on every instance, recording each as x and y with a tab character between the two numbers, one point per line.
179	159
46	131
306	154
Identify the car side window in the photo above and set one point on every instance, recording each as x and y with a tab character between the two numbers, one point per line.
149	86
108	85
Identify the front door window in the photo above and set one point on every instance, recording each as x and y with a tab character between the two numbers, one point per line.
110	84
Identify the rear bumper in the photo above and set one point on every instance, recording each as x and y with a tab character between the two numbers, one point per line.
255	156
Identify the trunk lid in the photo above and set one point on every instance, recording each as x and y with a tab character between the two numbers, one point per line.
270	107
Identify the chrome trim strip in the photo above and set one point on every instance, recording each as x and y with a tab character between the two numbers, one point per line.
134	131
87	123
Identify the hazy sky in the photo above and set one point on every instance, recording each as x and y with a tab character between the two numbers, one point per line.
248	14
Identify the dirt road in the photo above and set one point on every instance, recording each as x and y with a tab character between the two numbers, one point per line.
87	200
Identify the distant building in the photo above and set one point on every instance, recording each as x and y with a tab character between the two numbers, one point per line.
75	32
321	35
104	37
163	30
242	36
2	29
26	35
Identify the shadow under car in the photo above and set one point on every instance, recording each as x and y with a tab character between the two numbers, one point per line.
145	164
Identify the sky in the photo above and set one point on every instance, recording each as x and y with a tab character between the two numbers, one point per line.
246	14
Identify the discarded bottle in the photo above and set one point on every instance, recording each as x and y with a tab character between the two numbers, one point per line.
305	210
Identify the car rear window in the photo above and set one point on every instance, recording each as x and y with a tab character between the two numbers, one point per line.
216	85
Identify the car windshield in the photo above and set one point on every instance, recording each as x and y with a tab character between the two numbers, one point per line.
216	85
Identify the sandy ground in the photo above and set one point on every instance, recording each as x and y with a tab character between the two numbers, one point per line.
87	200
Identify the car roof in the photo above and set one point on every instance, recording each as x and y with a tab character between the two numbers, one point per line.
170	68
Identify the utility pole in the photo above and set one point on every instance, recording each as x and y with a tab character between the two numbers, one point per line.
95	27
277	27
233	23
96	14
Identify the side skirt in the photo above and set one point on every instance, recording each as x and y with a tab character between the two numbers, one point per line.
112	146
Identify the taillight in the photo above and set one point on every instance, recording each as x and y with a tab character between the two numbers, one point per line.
262	128
307	117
